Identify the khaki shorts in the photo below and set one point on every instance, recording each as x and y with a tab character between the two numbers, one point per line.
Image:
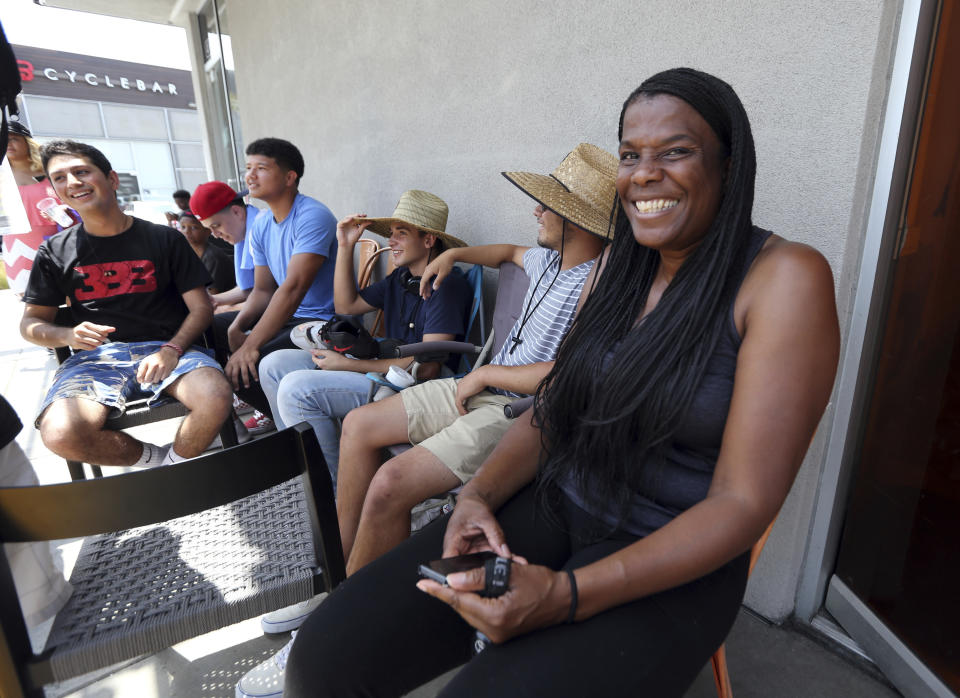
461	443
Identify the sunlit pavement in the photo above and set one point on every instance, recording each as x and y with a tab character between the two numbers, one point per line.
204	667
765	661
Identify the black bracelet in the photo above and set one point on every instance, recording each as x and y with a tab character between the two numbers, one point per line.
573	596
496	576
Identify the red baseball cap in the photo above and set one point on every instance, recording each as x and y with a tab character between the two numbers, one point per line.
211	198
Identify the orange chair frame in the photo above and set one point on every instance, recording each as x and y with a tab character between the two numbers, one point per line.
719	658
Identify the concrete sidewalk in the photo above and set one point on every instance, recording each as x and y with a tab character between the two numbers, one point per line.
765	661
25	372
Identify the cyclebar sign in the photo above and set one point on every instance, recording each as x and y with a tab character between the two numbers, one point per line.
73	76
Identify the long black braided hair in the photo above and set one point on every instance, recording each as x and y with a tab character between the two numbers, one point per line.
606	423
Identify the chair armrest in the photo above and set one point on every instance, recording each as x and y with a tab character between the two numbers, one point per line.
518	407
405	350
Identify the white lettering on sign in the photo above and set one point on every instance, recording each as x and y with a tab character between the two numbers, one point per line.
124	83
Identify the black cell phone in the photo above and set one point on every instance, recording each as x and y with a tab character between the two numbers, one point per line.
437	570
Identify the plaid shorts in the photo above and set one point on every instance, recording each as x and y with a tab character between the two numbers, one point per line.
108	375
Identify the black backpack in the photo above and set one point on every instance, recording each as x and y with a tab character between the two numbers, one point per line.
347	335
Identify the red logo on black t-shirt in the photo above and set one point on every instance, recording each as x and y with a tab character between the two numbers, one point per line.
116	279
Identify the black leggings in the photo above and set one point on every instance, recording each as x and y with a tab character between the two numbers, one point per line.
254	394
378	635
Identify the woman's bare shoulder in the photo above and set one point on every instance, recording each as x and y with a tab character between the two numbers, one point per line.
786	275
784	263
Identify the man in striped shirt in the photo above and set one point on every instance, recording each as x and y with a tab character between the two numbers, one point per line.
454	424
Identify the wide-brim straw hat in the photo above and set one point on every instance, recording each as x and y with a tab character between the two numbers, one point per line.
425	211
582	189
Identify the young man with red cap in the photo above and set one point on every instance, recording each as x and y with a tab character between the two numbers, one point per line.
223	211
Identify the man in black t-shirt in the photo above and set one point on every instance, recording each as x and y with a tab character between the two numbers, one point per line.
138	301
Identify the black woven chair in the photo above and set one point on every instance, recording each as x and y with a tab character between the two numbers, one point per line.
138	412
209	542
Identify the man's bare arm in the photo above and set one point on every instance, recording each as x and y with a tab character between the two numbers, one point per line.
346	297
256	302
232	297
199	317
301	271
241	369
522	380
37	326
487	255
157	366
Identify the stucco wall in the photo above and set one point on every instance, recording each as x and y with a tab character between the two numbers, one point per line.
382	97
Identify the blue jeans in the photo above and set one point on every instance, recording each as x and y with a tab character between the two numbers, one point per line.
298	391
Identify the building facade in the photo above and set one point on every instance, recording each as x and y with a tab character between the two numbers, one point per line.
143	117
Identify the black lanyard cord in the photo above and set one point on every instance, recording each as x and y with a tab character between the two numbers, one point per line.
528	312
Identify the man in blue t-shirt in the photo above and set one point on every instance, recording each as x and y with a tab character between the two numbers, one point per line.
416	232
223	211
293	280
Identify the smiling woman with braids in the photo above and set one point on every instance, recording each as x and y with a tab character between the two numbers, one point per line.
661	446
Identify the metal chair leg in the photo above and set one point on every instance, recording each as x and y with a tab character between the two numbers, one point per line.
76	470
228	432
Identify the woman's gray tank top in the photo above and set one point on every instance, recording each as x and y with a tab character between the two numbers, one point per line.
684	476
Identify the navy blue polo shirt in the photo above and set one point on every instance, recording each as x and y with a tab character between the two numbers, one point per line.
408	317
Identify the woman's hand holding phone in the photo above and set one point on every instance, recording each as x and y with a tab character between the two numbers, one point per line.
473	528
537	597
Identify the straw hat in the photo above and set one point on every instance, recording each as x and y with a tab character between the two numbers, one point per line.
581	190
421	209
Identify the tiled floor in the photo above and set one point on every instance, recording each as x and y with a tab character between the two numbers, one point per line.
765	661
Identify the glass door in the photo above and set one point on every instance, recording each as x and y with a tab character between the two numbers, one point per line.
898	552
220	92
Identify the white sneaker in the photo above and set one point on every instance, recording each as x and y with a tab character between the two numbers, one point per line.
307	335
291	617
266	679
